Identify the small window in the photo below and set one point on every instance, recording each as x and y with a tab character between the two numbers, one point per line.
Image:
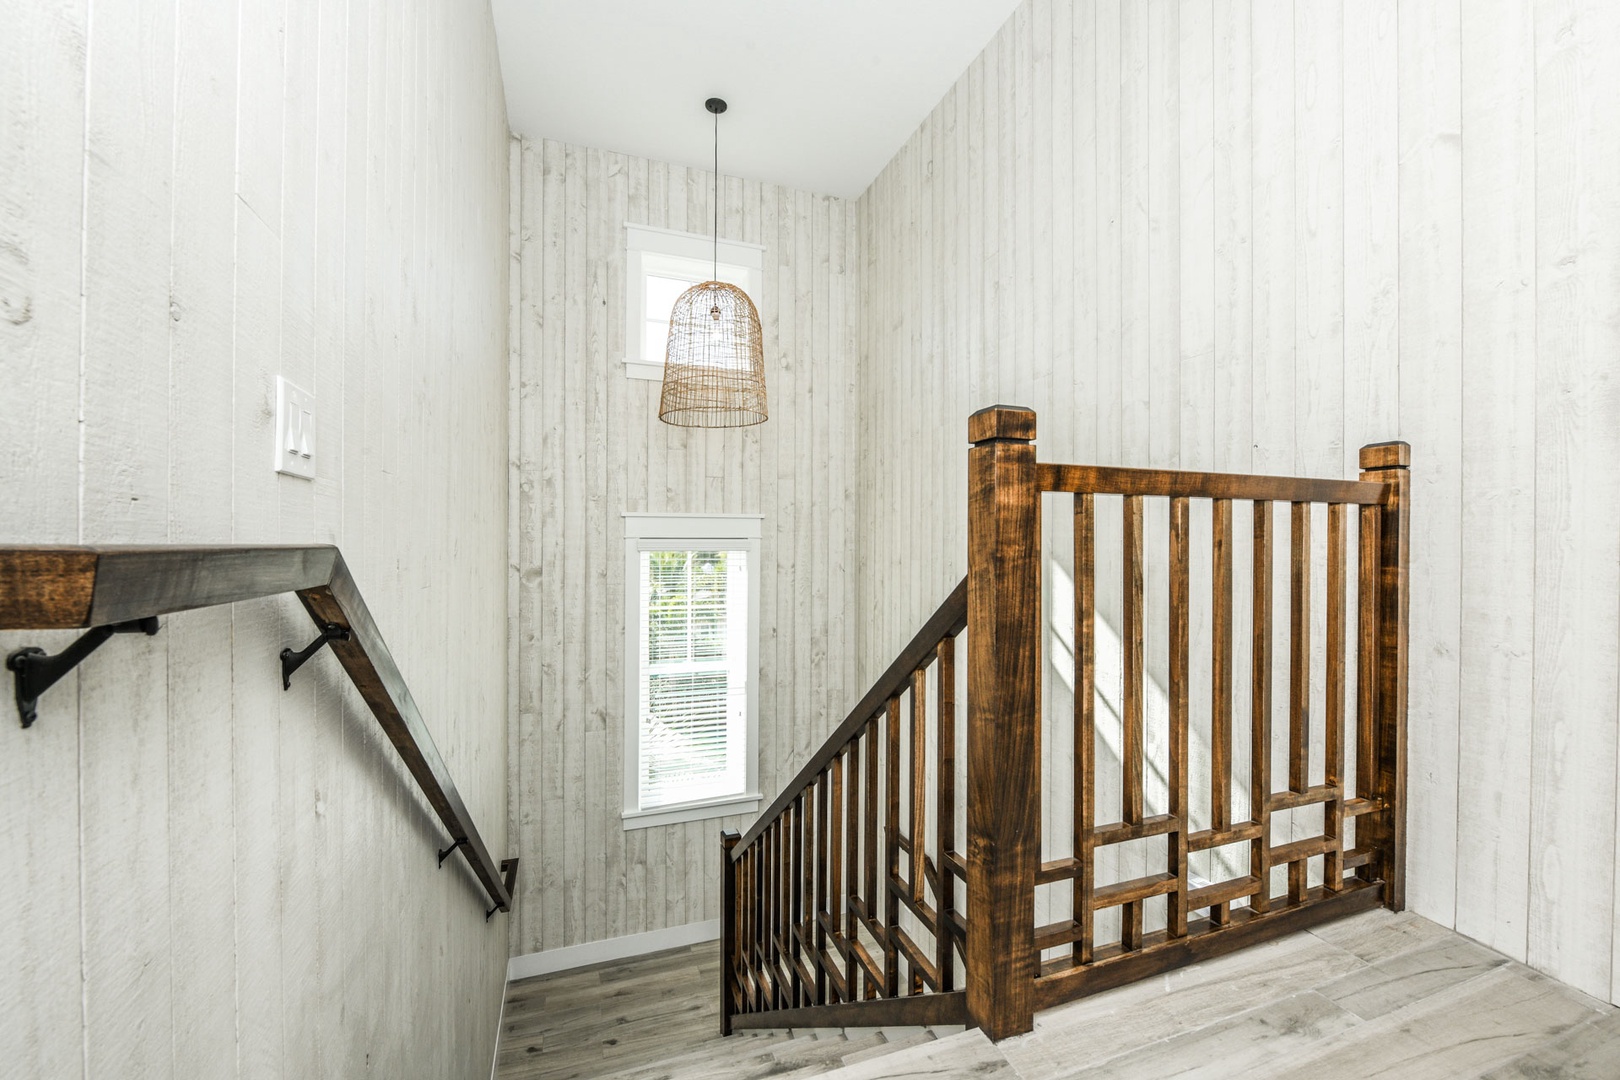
692	663
660	265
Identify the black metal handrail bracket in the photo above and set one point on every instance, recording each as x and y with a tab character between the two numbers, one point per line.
35	671
293	659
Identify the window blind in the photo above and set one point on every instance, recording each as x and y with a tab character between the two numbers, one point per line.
693	677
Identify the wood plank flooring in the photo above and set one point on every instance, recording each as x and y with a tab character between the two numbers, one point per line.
1378	995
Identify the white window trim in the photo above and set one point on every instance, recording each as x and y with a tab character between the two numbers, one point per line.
651	239
648	532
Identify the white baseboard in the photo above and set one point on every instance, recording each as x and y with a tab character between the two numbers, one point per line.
619	948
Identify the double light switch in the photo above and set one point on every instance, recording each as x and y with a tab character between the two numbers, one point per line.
295	430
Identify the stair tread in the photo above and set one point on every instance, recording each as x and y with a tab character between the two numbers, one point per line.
968	1054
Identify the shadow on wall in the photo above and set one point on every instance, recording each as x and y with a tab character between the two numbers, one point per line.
1140	857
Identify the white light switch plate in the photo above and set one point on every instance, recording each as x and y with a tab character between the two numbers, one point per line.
295	430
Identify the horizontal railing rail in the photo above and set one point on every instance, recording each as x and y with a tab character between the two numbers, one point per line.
43	588
1102	480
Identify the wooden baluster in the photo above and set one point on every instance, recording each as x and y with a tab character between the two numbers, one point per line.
851	810
1333	752
759	895
835	855
891	851
1260	713
869	842
1180	601
1388	463
793	912
766	963
747	867
945	812
918	824
768	909
823	874
761	898
1131	808
871	854
728	930
781	888
756	878
1299	672
792	875
807	910
1004	664
780	965
791	868
779	883
1220	722
763	876
1085	719
1368	541
767	921
773	866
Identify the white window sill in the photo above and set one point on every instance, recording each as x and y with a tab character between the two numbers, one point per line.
641	369
692	811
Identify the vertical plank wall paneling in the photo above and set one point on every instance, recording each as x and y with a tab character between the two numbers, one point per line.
588	447
216	878
1254	235
1575	681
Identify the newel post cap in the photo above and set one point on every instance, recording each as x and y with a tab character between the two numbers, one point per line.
1009	423
1386	455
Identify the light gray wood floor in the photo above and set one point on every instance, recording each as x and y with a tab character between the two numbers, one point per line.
1378	995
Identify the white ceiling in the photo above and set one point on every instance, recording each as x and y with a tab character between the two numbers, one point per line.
822	93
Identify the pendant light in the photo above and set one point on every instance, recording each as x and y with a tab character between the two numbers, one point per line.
714	365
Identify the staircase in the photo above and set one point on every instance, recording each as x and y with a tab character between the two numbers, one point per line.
915	874
845	1054
655	1018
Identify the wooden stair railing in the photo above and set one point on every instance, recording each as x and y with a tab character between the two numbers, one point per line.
45	588
811	923
815	933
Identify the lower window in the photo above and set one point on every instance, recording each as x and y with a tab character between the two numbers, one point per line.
692	604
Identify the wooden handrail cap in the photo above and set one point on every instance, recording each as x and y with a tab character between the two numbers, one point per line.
1013	423
1386	455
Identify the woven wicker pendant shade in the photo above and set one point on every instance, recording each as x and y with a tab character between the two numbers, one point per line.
714	365
714	369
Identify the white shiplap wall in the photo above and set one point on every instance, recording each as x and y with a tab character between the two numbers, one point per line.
588	447
210	877
1254	235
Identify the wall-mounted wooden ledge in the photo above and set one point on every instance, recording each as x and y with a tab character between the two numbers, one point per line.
47	588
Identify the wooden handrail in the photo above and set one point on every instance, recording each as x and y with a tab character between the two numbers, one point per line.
44	588
1104	480
949	619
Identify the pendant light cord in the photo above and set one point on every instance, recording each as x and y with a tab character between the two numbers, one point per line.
716	197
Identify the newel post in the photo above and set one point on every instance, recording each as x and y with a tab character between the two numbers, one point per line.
1388	463
1003	773
728	931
